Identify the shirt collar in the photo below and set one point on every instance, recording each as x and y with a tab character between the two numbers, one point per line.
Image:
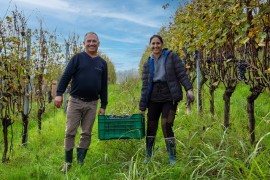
152	57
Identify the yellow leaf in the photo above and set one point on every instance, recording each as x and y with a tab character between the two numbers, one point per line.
187	66
261	44
251	34
5	99
244	41
181	54
237	23
23	49
268	70
9	19
34	52
215	84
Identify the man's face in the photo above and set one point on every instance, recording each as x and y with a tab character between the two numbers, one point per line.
91	43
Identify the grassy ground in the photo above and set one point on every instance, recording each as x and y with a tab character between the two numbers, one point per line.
204	149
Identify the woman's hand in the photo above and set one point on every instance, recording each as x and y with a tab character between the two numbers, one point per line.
190	96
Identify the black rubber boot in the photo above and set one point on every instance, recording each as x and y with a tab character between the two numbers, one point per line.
68	161
81	153
150	142
170	145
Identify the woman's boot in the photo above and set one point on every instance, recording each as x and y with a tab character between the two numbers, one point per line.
170	145
150	141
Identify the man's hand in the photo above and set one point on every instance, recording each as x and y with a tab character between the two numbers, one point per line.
190	96
101	111
58	100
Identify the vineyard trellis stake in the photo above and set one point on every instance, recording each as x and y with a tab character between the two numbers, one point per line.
198	72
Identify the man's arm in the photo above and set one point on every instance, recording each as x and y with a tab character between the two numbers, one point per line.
104	88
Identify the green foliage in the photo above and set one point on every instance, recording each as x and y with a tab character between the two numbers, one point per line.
29	57
204	149
124	97
111	69
144	58
222	28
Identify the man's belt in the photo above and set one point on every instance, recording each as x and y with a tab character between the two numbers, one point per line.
83	99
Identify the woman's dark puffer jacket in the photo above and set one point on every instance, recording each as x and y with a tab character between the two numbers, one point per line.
175	75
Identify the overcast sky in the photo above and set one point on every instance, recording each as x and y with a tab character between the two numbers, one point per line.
124	26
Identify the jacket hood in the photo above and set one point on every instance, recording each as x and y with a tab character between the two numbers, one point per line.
165	53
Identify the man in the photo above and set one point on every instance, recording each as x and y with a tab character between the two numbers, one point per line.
89	75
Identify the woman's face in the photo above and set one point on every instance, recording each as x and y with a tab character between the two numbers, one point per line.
156	46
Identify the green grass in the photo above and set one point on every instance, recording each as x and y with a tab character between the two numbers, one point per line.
204	149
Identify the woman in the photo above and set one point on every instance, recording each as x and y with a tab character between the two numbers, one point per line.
162	79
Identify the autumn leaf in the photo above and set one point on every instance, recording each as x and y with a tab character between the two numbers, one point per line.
267	71
215	84
262	44
244	41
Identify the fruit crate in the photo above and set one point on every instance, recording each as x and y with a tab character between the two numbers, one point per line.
121	127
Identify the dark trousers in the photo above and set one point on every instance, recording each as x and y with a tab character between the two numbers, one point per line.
167	110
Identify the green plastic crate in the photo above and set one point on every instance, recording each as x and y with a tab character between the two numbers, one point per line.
121	127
